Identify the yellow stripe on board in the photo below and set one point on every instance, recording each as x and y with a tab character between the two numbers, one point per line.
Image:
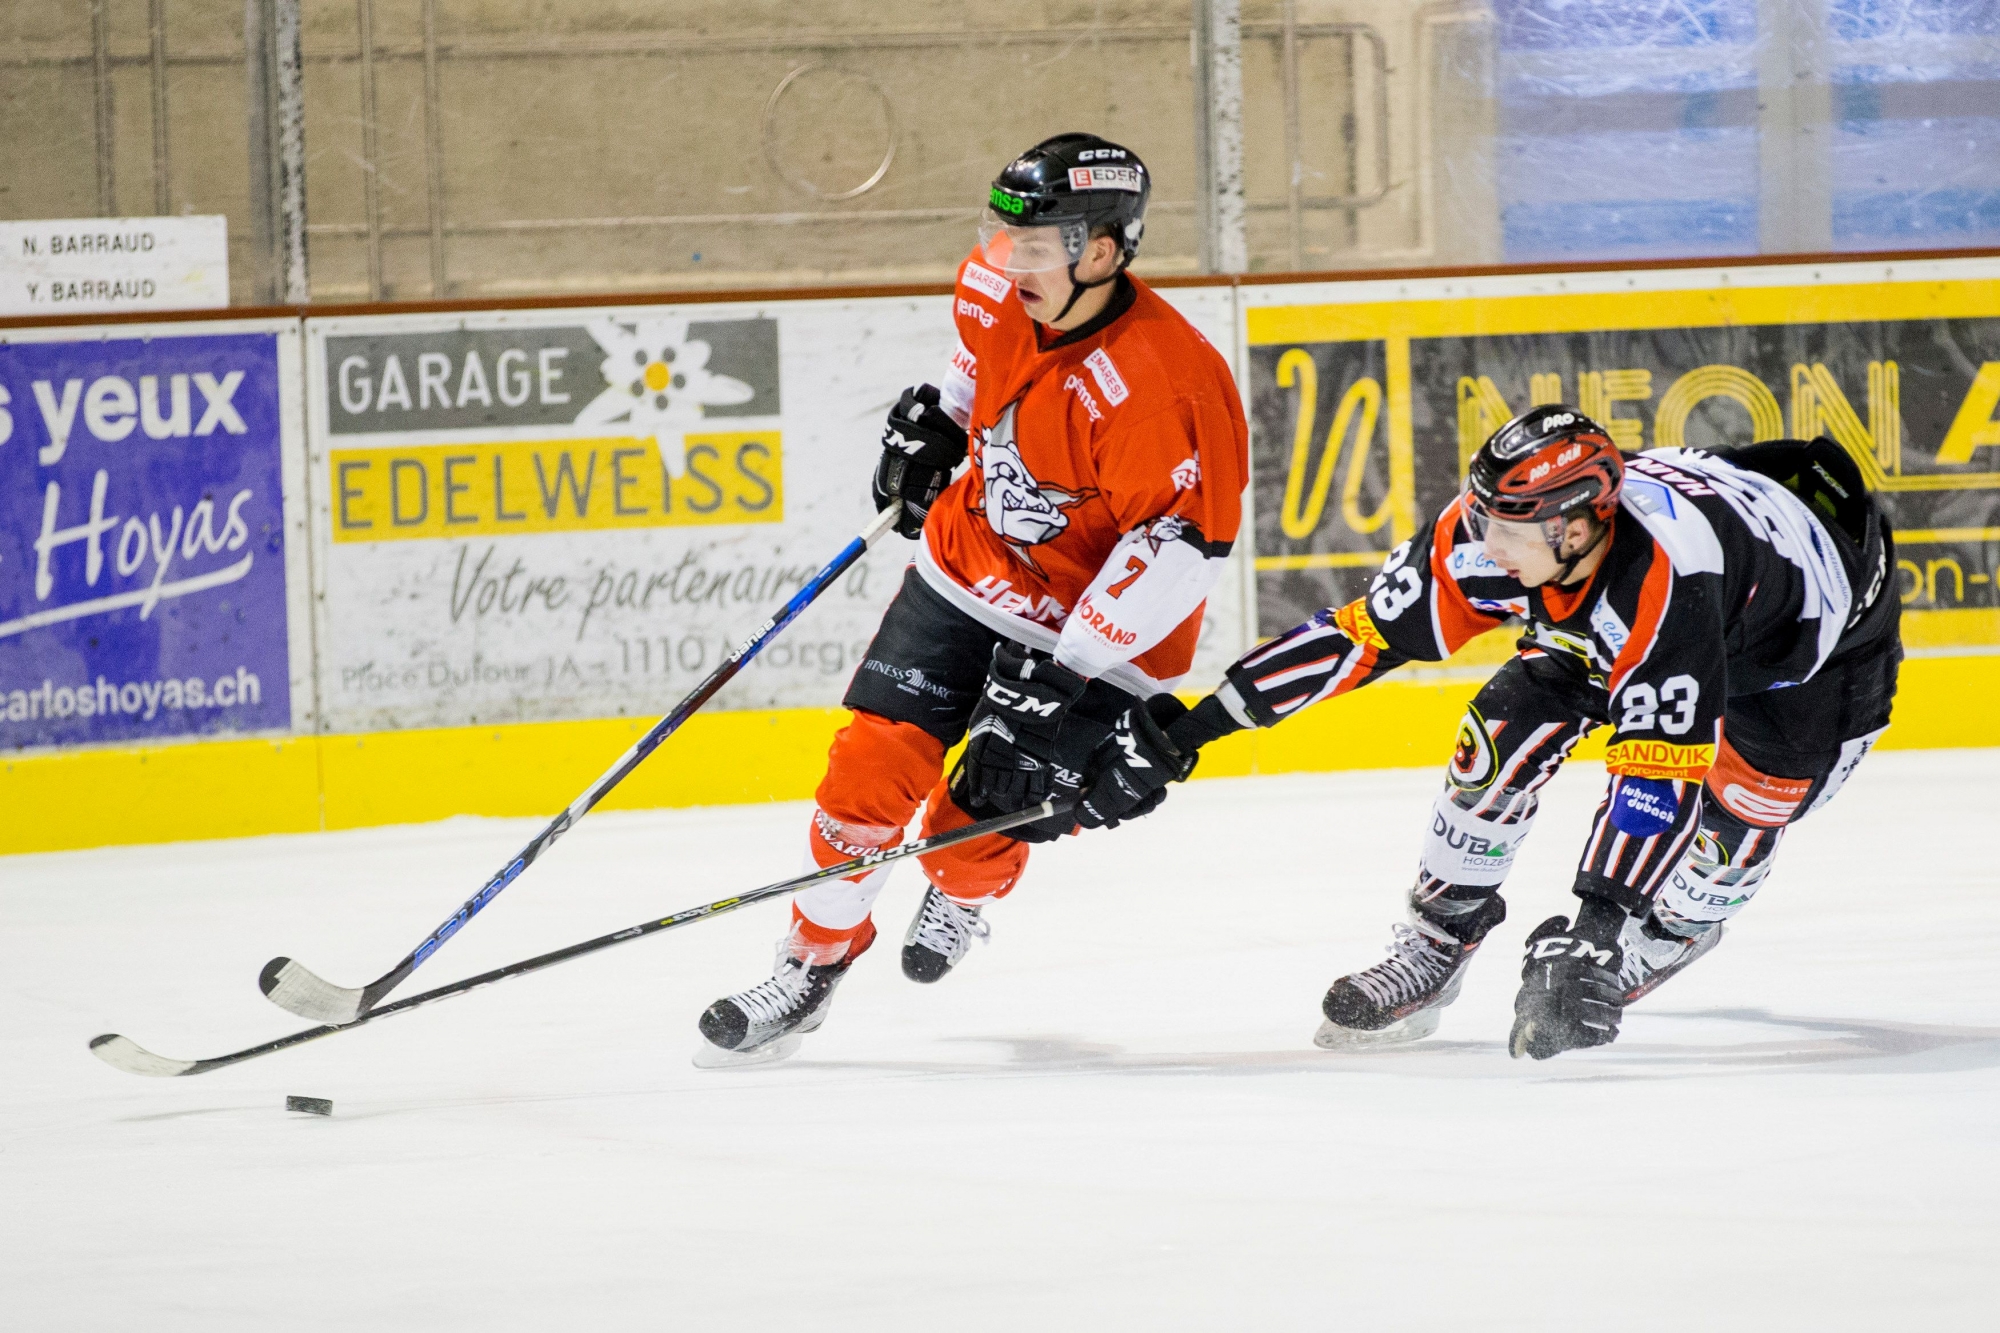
1955	627
1323	560
1584	311
224	789
1921	536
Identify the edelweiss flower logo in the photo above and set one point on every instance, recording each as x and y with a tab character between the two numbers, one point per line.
657	381
1023	511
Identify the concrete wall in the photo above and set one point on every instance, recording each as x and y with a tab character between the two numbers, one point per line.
611	111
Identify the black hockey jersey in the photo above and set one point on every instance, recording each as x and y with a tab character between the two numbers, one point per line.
1719	581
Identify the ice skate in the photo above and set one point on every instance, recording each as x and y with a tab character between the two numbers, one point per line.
766	1023
1651	952
1400	999
940	934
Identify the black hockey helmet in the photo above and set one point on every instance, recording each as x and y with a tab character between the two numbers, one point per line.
1077	182
1545	464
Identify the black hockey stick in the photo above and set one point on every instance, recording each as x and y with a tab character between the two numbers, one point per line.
126	1054
295	988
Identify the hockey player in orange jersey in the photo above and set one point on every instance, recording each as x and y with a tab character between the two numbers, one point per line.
1059	577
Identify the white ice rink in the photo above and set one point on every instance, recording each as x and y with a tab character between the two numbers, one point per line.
1112	1117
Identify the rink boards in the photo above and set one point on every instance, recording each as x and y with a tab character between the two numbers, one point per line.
262	575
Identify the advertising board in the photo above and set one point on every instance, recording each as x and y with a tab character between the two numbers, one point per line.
152	573
1367	402
577	513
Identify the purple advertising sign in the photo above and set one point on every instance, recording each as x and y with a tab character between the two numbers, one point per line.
142	556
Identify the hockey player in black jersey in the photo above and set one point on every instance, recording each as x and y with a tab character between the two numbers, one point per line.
1729	615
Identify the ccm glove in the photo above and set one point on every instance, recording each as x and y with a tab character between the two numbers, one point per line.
1128	775
920	447
1570	996
1156	742
1010	754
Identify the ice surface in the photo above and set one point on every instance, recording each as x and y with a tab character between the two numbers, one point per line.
1111	1117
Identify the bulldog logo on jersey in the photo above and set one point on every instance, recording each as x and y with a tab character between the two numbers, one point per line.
1019	508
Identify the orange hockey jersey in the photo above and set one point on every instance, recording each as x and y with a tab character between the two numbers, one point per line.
1105	483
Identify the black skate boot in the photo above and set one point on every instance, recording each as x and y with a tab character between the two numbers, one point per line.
1403	997
1399	999
1653	950
940	933
768	1021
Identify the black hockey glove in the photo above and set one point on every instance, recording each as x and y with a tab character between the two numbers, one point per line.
1153	744
920	447
1011	753
1570	996
1128	774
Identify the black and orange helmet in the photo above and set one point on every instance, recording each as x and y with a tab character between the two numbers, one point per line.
1545	464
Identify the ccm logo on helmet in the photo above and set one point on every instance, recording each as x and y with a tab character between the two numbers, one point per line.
1102	155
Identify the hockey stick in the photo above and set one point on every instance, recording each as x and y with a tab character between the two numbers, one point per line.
126	1054
295	988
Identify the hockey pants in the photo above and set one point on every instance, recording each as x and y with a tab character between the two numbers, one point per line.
912	698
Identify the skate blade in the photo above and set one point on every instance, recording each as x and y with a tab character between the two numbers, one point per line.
710	1056
1332	1037
1680	965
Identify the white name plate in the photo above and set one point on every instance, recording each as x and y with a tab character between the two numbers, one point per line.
97	265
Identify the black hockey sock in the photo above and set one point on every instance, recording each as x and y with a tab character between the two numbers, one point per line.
1599	920
1464	912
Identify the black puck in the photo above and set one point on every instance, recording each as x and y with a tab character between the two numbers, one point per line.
310	1105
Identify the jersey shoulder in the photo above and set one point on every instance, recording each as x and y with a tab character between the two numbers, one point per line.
983	302
1156	356
1673	504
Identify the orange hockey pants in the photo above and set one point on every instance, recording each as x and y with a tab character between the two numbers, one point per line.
876	773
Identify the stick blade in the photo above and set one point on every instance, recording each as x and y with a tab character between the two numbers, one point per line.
128	1055
295	989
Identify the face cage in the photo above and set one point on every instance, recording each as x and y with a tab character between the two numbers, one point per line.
1012	247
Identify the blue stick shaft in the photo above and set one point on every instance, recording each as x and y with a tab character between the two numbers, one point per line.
632	758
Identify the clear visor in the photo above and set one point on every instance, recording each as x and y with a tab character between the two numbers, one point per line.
1012	248
1477	516
1480	522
